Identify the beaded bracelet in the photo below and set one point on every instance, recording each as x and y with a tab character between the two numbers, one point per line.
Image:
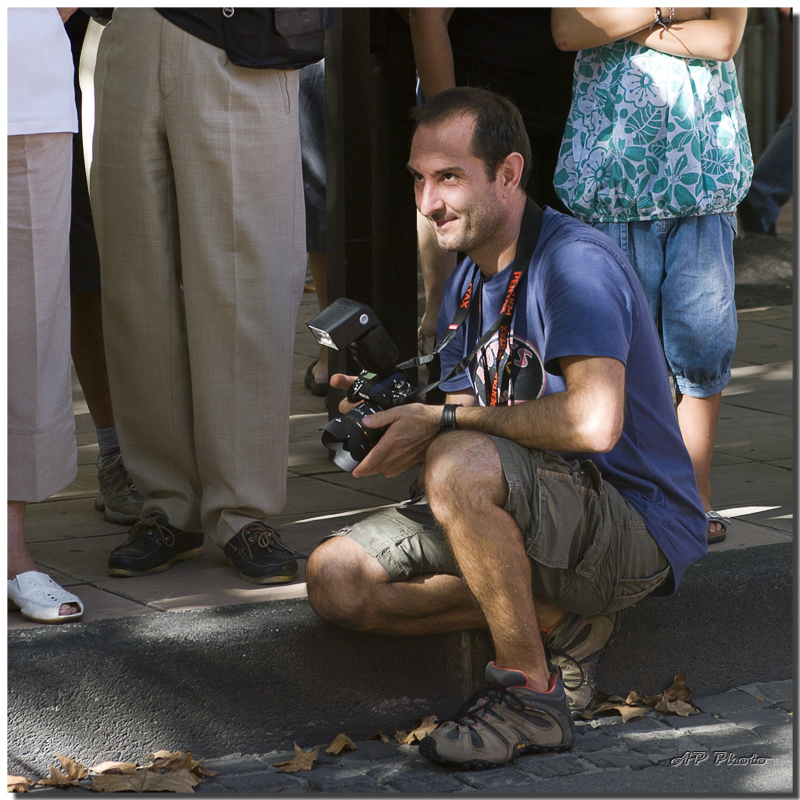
658	20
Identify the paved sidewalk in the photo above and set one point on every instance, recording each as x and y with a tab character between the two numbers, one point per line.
752	479
741	742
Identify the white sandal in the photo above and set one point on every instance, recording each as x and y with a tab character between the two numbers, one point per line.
40	598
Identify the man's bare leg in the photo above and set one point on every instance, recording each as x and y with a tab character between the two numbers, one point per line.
467	490
348	586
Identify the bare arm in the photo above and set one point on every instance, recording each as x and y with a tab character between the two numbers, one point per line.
716	38
583	28
66	13
586	418
432	50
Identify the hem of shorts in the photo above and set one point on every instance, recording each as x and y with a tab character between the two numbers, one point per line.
705	390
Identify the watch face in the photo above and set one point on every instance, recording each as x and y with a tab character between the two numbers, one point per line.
526	378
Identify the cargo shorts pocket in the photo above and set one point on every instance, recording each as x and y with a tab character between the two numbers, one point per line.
628	591
568	531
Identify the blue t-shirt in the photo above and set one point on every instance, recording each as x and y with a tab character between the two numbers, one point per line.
580	297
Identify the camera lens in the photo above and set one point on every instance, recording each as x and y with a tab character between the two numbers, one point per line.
348	439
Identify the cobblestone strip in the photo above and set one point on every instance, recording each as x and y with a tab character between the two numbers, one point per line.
742	740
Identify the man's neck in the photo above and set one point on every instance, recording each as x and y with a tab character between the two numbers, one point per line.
498	254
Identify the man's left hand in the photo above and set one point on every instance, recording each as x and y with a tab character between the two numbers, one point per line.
411	430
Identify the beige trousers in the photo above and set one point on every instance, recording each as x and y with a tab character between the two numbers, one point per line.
42	454
197	196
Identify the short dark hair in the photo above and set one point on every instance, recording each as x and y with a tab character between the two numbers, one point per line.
499	129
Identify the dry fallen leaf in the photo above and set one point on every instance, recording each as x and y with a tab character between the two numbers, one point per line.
673	700
303	760
631	712
341	742
422	728
679	707
164	759
71	774
382	736
626	709
678	690
18	784
204	772
72	768
115	767
651	701
145	780
162	754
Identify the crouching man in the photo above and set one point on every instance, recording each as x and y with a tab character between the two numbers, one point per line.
557	489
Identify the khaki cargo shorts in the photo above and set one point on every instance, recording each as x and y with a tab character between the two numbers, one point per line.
589	549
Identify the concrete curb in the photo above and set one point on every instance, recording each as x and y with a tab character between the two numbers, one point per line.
258	677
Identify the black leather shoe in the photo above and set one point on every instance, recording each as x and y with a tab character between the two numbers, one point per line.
260	556
152	546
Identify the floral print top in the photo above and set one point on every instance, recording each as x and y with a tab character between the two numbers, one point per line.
652	136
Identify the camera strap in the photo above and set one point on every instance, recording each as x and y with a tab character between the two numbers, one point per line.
526	244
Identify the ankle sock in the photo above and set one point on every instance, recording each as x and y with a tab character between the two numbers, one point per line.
107	441
524	680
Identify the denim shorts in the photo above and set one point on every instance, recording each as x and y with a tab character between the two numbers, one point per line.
685	265
589	549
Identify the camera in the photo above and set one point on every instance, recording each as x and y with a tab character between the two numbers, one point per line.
382	384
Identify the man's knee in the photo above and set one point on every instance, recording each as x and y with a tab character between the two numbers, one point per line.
463	465
341	578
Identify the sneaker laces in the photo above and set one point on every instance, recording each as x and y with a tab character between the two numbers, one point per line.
126	476
265	539
491	696
118	478
145	526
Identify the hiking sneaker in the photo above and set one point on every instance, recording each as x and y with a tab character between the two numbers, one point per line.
503	721
117	496
574	646
260	556
152	546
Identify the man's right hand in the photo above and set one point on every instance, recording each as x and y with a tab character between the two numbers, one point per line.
339	381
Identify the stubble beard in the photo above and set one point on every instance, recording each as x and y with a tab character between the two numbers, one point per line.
478	226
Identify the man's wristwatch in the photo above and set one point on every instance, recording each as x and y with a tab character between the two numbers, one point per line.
449	417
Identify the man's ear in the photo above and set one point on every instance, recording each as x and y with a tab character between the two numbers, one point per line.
511	170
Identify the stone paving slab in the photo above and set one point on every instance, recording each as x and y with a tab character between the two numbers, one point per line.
776	348
752	484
